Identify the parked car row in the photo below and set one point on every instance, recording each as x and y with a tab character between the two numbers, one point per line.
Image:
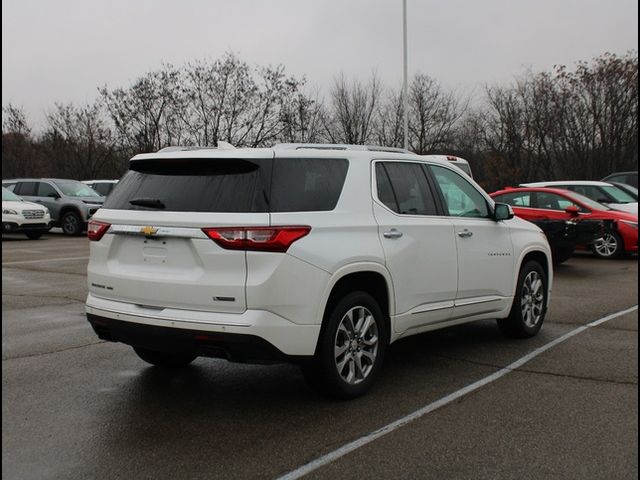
320	255
617	235
69	203
601	192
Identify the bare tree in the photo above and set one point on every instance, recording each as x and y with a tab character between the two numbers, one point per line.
213	98
433	115
389	127
264	124
580	123
80	141
142	114
17	142
353	109
302	118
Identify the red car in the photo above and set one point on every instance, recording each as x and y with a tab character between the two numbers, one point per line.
536	204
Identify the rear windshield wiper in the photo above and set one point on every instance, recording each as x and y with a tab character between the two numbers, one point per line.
148	202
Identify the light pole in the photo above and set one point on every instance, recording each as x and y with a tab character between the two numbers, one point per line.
405	88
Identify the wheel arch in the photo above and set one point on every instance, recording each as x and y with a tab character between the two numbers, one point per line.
372	278
544	258
70	208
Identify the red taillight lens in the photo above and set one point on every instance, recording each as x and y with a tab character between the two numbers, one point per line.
95	230
264	239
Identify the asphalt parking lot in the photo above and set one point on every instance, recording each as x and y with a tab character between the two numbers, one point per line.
76	407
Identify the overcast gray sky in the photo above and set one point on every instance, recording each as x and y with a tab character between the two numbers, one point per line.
62	50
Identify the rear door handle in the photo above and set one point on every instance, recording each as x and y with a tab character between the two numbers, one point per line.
465	233
393	233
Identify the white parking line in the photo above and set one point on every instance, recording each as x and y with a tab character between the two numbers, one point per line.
370	437
51	260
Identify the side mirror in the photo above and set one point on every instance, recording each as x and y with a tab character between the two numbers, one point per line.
572	210
502	211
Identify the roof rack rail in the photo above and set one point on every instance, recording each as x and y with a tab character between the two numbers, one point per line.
338	146
179	148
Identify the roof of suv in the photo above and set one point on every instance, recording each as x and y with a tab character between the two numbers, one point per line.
307	149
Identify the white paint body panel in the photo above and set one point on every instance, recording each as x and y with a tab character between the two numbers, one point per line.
434	278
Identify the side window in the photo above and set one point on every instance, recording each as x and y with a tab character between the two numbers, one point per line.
551	201
461	198
307	184
590	191
26	189
617	178
102	188
516	199
44	189
385	192
408	191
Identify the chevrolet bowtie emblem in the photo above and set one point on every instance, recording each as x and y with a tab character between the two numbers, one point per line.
148	231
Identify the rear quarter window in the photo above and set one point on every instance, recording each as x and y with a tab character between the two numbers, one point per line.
516	199
26	188
307	184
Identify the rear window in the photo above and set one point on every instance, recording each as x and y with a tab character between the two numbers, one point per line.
230	185
102	188
193	185
464	167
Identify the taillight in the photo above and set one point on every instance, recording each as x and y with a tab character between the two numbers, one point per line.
264	239
95	230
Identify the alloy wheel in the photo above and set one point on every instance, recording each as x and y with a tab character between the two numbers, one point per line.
606	246
532	299
70	225
356	345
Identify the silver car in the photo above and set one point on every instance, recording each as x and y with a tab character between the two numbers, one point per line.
70	202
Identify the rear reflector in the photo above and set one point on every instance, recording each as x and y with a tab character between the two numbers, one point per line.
95	230
264	239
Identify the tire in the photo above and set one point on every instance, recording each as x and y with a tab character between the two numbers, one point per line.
610	245
164	359
356	326
71	224
34	235
529	304
562	255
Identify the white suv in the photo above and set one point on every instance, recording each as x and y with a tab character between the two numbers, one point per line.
321	255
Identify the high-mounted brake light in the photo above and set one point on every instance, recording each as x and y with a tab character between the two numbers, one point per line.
264	239
95	230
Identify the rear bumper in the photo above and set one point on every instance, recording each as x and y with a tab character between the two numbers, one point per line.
252	336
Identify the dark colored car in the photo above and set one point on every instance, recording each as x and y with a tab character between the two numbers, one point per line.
565	236
629	178
539	205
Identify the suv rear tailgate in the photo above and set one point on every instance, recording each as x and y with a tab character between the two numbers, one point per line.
173	267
